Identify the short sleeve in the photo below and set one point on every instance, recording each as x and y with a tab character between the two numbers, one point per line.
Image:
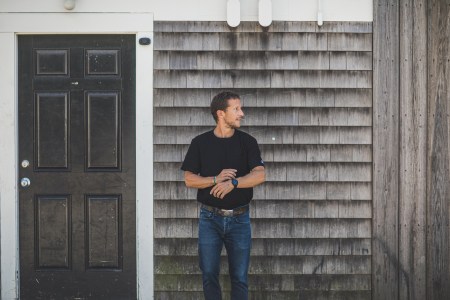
191	162
254	154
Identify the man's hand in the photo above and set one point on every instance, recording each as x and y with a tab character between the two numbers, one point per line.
225	175
221	189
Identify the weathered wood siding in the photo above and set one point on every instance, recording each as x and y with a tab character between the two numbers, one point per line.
307	95
411	192
413	147
438	174
386	141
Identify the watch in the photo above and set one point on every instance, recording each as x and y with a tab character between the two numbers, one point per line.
234	182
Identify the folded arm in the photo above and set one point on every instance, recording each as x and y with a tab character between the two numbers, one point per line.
200	182
256	176
196	181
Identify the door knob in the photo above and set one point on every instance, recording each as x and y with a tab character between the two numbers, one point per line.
25	163
25	182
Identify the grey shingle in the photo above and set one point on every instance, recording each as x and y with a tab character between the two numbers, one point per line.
307	95
317	41
350	41
313	60
338	60
359	60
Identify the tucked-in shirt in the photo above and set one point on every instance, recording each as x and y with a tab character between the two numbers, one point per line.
208	155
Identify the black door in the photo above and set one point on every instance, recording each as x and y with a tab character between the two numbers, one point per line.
77	167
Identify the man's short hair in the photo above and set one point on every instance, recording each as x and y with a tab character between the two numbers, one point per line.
220	102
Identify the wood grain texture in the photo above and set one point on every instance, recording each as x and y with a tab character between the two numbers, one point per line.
438	192
279	190
281	116
359	60
295	97
280	287
273	247
386	153
229	79
283	265
303	172
276	26
349	42
258	295
264	41
413	148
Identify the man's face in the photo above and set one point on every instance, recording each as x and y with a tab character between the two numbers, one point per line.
233	114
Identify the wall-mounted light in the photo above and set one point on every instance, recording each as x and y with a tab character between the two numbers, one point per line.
319	13
265	12
69	4
233	13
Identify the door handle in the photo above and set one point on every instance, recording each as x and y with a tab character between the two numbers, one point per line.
25	163
25	182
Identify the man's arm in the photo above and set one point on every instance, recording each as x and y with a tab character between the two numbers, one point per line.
256	176
196	181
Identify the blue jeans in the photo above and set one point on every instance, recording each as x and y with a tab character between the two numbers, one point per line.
235	233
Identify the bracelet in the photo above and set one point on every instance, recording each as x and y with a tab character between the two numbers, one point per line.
214	180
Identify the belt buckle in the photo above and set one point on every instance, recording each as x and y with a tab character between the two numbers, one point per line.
227	213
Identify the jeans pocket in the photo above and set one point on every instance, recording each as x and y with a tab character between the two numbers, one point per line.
243	218
206	214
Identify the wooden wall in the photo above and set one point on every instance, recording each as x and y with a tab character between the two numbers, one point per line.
386	175
411	192
307	95
438	130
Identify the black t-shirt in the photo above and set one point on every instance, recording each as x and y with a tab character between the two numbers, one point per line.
208	155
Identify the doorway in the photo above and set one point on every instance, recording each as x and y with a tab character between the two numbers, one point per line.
77	166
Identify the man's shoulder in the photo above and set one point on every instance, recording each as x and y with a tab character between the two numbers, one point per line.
202	137
246	136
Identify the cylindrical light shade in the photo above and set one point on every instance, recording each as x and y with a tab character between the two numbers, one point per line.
233	13
69	4
265	12
319	13
319	18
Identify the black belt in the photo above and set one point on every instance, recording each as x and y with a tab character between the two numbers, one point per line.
226	212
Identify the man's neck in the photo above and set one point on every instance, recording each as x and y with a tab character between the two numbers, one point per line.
222	131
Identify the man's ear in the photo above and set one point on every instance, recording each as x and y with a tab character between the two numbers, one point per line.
220	113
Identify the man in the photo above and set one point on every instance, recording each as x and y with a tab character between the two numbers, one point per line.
224	164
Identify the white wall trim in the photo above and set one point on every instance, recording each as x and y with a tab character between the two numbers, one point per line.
207	10
12	24
76	23
144	166
8	170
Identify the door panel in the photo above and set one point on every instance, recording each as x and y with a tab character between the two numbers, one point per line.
52	130
103	130
77	130
103	232
53	232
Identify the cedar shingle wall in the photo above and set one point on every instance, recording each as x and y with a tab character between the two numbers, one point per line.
307	95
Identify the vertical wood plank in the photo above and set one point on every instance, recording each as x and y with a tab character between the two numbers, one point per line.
386	150
438	189
413	147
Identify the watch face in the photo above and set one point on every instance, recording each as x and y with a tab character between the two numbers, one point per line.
234	182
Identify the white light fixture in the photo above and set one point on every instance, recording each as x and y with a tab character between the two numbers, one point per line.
69	4
233	13
265	12
319	13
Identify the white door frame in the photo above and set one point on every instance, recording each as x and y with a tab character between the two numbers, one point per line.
13	24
